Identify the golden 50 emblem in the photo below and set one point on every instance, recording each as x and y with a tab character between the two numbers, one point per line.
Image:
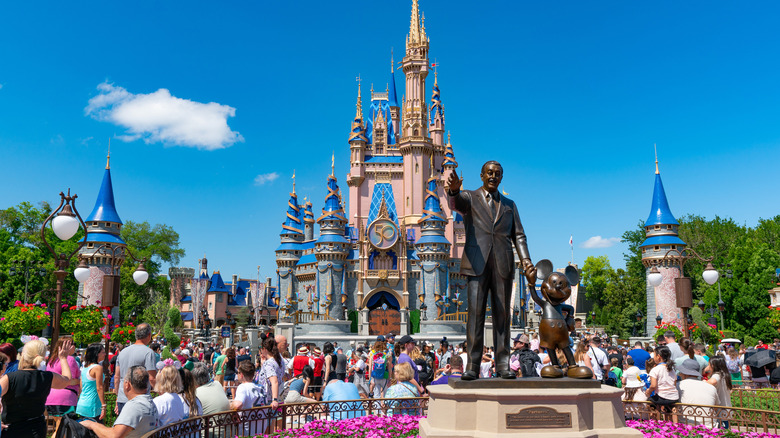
382	233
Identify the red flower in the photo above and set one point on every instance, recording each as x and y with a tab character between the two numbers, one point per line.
121	332
24	309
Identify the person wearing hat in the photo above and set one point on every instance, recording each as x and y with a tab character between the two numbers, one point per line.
522	360
301	360
693	390
407	345
443	353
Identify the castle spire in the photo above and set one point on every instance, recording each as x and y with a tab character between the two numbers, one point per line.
108	155
655	148
414	24
359	105
105	209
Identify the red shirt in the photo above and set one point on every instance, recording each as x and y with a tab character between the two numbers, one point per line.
318	363
298	363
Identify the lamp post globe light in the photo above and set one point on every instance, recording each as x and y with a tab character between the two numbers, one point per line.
659	319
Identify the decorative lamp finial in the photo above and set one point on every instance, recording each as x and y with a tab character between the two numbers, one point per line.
293	178
108	155
333	164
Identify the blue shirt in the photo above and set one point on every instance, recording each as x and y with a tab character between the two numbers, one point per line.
640	356
445	379
338	390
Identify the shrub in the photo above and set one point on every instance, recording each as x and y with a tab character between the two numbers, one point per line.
25	319
124	334
84	323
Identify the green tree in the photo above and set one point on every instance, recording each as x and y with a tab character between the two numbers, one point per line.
596	274
157	244
156	314
747	301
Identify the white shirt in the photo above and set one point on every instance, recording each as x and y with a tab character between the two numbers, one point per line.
171	407
465	358
485	370
248	394
598	362
632	377
697	392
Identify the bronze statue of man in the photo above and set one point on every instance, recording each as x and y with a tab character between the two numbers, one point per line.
492	227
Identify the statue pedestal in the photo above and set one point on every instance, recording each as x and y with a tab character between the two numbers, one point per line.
531	407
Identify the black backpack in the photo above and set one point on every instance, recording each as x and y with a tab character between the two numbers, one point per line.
528	360
424	370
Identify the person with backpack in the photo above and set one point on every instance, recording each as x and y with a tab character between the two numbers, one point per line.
377	368
615	376
522	360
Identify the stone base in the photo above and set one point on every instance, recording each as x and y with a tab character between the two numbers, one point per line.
525	407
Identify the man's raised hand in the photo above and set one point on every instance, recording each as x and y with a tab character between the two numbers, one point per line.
454	182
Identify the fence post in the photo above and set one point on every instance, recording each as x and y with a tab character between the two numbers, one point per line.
764	420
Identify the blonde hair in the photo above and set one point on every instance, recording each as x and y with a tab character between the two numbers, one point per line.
168	380
33	353
404	372
416	354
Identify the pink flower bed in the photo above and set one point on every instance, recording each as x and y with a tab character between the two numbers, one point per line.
404	426
666	429
399	426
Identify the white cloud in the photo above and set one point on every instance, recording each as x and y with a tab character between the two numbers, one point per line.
265	178
161	117
600	242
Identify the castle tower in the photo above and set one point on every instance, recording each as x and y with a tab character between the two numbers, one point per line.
392	99
436	127
308	222
433	249
288	254
357	155
415	145
104	250
661	237
331	249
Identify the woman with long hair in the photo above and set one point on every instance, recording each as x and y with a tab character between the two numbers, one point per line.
734	365
92	401
299	387
273	369
188	392
663	379
24	392
230	365
581	356
329	368
62	401
10	351
720	378
170	403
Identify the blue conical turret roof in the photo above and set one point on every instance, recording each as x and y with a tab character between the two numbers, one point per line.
432	210
449	155
217	284
392	97
660	214
436	107
105	210
293	224
333	209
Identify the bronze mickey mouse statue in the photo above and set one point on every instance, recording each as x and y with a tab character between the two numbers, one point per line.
554	328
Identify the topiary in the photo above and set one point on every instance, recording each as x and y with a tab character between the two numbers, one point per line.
166	354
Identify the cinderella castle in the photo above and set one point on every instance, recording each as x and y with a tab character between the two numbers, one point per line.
394	256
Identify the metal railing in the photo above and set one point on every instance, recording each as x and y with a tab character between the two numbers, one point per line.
300	317
742	419
765	399
264	419
457	316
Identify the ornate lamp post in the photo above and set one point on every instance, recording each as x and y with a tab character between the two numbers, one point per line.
659	319
682	285
638	320
27	268
711	310
65	221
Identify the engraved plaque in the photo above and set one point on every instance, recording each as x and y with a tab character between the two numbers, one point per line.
537	418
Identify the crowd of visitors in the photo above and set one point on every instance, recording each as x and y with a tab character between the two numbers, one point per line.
206	379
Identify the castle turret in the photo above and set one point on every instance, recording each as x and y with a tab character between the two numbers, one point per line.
392	99
661	238
288	253
433	249
331	249
436	127
104	250
308	222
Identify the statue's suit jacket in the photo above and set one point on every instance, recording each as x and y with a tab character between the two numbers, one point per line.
485	233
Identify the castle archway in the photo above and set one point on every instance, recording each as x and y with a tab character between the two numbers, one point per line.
384	312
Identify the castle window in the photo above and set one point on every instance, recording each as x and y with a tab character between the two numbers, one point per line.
416	168
656	248
107	225
90	245
416	132
643	250
674	246
657	227
407	201
211	305
219	298
668	227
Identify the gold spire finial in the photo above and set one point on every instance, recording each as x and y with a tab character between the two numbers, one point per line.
431	165
392	63
108	155
293	178
333	164
359	105
656	158
448	137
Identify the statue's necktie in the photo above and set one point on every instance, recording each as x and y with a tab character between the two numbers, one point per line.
492	203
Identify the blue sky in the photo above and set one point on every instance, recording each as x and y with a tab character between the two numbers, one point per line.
569	96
